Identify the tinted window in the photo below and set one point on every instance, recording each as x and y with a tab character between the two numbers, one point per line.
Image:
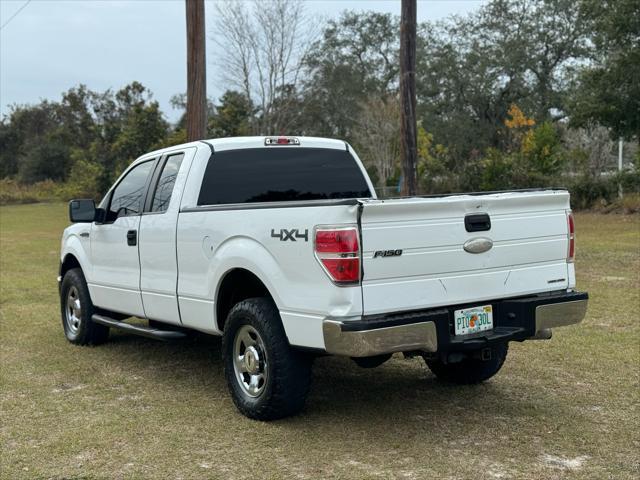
128	196
281	173
162	197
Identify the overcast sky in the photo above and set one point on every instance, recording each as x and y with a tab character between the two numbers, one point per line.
51	45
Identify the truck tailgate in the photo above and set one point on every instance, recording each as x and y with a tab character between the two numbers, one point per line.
414	256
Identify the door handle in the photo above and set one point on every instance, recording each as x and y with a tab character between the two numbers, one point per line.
132	238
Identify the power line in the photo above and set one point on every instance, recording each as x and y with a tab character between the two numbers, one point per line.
15	14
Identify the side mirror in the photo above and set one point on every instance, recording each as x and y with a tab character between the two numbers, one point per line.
82	211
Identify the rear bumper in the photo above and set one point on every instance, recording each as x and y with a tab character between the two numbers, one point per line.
432	330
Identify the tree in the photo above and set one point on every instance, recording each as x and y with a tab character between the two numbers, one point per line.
108	129
354	61
130	123
461	88
539	43
475	67
232	117
75	117
45	158
519	128
25	134
9	148
264	47
179	102
377	137
591	148
608	89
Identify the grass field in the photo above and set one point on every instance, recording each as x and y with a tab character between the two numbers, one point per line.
135	408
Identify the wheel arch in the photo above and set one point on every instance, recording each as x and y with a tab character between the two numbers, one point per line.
237	284
74	255
68	262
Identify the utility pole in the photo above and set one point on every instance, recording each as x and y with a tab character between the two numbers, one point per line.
408	123
620	193
196	72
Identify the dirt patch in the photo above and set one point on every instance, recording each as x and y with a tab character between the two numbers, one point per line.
565	463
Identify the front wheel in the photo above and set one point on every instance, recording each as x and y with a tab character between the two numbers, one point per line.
472	369
266	377
76	309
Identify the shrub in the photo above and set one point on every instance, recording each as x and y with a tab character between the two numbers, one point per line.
542	151
629	180
630	203
13	192
44	160
586	191
602	192
83	181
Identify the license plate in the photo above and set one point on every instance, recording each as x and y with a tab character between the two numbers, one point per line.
473	320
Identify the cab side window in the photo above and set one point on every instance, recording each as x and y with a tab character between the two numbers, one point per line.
167	180
128	197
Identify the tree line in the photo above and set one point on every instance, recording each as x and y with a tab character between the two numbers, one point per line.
520	93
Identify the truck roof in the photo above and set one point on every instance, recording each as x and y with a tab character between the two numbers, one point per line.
233	143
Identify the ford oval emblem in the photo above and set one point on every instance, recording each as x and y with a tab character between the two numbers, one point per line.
478	245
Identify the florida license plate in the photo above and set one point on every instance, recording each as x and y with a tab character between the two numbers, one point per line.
473	320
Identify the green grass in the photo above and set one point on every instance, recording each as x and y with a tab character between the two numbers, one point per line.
135	408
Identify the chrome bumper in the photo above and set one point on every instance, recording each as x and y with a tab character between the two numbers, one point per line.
367	343
429	331
560	314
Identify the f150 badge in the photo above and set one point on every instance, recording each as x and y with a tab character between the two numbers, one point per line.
387	253
292	234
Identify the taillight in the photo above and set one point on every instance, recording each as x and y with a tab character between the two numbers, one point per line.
338	251
571	251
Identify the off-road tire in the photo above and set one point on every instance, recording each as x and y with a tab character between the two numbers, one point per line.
85	331
470	370
288	371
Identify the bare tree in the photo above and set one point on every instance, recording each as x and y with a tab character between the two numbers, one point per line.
263	45
595	144
377	135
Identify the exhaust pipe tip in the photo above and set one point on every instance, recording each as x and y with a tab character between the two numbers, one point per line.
544	334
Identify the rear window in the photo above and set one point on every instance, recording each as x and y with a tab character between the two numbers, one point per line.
280	174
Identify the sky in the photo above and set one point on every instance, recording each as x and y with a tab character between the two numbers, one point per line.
51	46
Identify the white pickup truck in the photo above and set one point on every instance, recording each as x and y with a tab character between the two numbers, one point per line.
280	246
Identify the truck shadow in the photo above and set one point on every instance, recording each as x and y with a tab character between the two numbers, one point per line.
345	401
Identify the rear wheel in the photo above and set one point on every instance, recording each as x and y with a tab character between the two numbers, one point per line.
76	310
266	377
472	369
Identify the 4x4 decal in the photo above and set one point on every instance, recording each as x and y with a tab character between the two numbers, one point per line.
292	234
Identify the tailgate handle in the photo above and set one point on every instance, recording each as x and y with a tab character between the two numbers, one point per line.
477	222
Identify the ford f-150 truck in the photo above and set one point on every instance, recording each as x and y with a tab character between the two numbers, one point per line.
280	245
